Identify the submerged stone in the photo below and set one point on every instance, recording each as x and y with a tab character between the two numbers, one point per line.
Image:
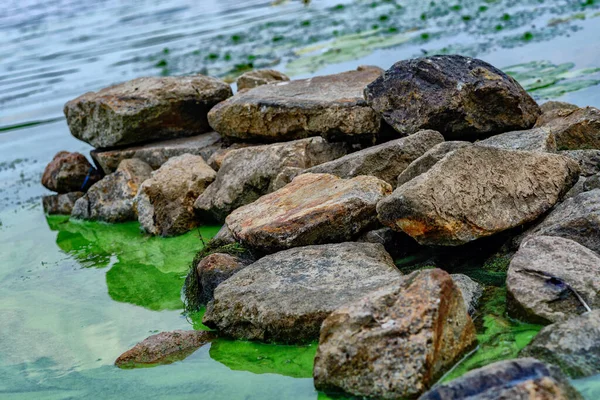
69	172
60	203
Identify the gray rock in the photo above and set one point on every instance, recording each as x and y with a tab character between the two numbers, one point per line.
313	209
591	183
69	172
60	203
471	291
556	105
111	198
216	159
397	341
225	235
458	96
332	106
428	160
536	139
477	191
577	189
252	79
577	218
157	153
551	279
520	379
165	202
398	244
284	297
212	270
145	109
248	173
588	160
577	129
573	345
385	161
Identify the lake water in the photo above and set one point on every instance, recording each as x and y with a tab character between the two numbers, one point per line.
73	296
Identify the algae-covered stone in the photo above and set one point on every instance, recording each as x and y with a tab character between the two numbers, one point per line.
157	153
460	97
536	139
577	129
397	341
332	106
111	198
248	173
313	209
385	161
60	203
69	172
477	191
284	297
520	379
165	202
551	279
573	345
145	109
252	79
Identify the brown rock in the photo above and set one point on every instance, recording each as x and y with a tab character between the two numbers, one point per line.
69	172
163	348
554	109
252	79
212	270
313	209
60	203
574	129
397	341
216	159
145	109
331	106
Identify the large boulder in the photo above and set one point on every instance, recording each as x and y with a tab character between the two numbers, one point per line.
551	279
165	202
397	341
248	173
145	109
163	348
478	191
428	160
157	153
588	160
385	161
573	345
577	129
458	96
111	198
536	139
332	106
284	297
212	270
252	79
69	172
60	203
520	379
313	209
577	218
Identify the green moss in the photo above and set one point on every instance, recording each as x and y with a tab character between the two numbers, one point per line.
497	263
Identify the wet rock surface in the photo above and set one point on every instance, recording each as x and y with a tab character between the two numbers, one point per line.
458	96
248	173
69	172
145	109
157	153
397	341
476	192
385	161
61	204
312	209
213	270
163	348
284	297
252	79
111	198
471	291
537	139
331	106
577	129
428	160
588	160
551	279
520	379
165	201
572	345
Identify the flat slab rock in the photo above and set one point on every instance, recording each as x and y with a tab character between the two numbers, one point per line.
157	153
546	276
312	209
331	106
536	139
61	204
520	379
284	297
477	191
163	348
574	129
458	96
397	341
573	345
69	172
385	161
165	202
248	173
145	109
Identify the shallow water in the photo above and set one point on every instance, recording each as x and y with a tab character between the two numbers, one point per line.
73	296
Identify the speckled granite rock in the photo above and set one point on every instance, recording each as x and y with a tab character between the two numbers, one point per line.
536	139
588	160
